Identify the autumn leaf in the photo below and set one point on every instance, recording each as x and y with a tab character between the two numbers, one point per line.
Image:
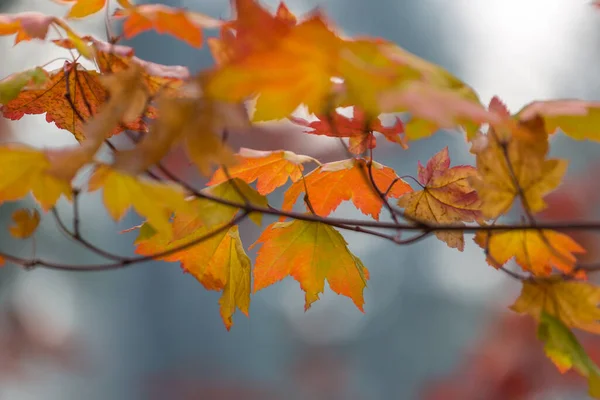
511	161
572	302
32	175
270	169
12	85
534	251
25	222
297	69
359	129
83	8
182	24
207	212
152	200
576	118
253	29
69	98
330	184
563	348
310	252
446	198
218	263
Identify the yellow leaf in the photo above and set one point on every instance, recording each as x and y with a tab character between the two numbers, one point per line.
534	251
153	200
513	161
25	223
25	169
574	303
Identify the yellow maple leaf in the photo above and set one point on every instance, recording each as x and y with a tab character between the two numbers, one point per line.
511	161
572	302
25	223
153	200
534	251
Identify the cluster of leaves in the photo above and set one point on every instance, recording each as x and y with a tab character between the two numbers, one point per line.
280	62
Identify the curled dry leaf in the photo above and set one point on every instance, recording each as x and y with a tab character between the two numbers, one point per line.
25	223
535	251
446	198
310	252
332	183
271	169
359	129
574	303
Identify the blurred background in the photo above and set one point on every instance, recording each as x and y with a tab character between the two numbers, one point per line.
434	326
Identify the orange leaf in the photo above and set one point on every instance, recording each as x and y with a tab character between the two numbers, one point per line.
297	69
358	128
271	169
83	8
182	24
332	183
218	263
69	98
574	303
310	252
446	197
25	223
535	251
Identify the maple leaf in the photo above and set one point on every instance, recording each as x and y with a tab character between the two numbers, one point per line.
330	184
153	200
271	169
295	70
255	29
32	175
576	118
83	8
565	351
446	197
70	97
310	252
534	251
207	212
511	161
218	263
359	129
574	303
25	223
182	24
112	58
11	86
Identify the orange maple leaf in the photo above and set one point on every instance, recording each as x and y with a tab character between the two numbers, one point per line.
359	129
69	98
183	24
310	252
446	197
26	25
330	184
574	303
271	169
534	251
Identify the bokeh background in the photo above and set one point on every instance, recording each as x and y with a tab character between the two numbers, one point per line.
434	326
